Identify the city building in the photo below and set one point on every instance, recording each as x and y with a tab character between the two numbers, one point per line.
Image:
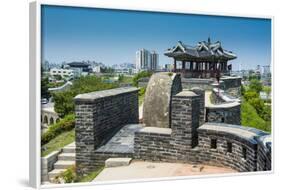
146	60
64	73
79	68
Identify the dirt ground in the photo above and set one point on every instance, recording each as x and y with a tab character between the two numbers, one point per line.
141	170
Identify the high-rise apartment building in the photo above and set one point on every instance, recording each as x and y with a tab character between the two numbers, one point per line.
146	60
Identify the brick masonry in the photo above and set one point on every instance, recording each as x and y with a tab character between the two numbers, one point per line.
229	113
99	115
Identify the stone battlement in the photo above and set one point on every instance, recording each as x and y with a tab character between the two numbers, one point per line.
187	137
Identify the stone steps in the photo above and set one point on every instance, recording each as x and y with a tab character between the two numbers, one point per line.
52	174
62	164
65	160
66	156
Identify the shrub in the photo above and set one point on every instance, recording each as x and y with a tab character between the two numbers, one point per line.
140	75
65	124
68	176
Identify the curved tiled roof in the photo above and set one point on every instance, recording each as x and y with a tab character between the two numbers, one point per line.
203	50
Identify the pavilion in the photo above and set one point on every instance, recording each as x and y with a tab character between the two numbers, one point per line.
205	60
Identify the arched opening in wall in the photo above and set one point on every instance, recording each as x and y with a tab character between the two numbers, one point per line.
213	143
45	119
57	120
244	153
222	119
51	120
229	147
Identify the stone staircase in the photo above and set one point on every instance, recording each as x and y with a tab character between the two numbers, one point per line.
65	159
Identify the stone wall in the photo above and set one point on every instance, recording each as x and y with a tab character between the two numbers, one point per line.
232	85
228	145
47	164
99	115
201	93
217	144
224	113
188	83
264	153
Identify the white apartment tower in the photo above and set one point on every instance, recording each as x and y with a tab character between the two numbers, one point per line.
146	60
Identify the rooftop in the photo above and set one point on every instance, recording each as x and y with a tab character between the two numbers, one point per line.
203	50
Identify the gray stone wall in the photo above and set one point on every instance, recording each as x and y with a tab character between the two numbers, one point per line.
154	144
185	120
228	113
232	85
188	83
264	153
47	164
201	93
220	156
99	115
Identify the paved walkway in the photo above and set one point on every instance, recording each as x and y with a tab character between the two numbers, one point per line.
141	170
122	141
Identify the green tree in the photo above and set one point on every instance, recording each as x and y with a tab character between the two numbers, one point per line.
255	85
64	103
44	88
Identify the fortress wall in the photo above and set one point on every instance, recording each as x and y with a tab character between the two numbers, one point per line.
229	113
232	85
99	115
264	153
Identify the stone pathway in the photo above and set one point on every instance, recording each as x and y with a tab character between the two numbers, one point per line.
122	141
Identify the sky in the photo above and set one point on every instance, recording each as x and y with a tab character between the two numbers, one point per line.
113	36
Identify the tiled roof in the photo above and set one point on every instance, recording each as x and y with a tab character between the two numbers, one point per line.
201	50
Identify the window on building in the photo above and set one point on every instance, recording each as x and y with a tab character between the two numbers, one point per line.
213	143
244	153
229	147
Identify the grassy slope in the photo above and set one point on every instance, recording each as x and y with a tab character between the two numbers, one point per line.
60	141
249	117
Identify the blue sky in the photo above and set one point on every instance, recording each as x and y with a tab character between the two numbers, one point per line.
113	36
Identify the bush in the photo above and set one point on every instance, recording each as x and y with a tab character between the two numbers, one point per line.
65	124
140	75
68	176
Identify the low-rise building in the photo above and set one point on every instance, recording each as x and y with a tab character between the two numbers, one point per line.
64	73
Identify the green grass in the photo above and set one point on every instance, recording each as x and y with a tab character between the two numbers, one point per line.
90	177
250	117
58	142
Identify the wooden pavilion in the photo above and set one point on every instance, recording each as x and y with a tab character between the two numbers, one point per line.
205	60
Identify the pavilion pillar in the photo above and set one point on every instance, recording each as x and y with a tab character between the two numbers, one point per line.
175	65
183	65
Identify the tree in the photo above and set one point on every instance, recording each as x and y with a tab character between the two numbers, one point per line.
64	103
255	85
44	88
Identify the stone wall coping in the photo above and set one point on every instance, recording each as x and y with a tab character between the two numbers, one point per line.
51	155
206	81
186	93
230	77
246	133
103	94
223	105
156	130
265	141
